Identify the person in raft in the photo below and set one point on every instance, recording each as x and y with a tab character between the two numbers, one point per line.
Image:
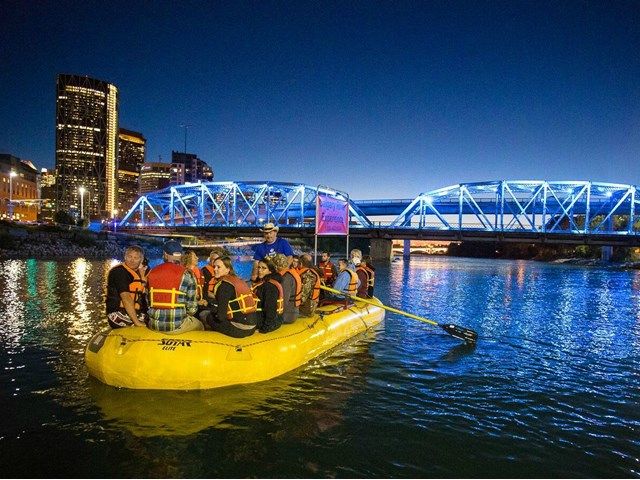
354	258
368	265
172	294
209	282
269	297
235	313
311	279
291	288
271	245
126	302
329	270
190	261
347	281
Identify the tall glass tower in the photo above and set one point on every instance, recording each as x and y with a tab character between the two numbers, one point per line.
86	146
131	156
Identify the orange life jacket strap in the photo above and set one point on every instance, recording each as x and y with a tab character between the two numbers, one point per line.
162	291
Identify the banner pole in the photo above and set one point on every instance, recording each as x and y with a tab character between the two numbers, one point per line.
348	226
315	250
315	230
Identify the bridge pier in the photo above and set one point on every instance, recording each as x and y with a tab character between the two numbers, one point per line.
606	252
380	249
406	248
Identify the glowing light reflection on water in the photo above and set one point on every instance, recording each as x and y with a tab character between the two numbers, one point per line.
550	390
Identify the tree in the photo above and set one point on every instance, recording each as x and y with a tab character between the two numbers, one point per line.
63	217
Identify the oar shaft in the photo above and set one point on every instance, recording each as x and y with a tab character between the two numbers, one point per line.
391	309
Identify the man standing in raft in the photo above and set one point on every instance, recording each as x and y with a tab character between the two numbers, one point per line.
126	302
271	245
172	294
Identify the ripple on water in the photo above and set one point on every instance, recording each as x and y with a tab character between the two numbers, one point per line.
550	390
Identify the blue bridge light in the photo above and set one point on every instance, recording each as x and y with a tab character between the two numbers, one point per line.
533	207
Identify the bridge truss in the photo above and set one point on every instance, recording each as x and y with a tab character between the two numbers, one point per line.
233	204
529	206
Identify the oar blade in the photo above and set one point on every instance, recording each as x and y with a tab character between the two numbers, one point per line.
465	334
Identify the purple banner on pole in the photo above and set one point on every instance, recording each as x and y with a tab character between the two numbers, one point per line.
332	216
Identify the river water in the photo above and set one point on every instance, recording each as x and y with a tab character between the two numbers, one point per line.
551	390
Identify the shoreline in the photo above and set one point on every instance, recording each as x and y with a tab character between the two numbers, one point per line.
48	242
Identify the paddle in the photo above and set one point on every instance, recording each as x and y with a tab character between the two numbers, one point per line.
465	334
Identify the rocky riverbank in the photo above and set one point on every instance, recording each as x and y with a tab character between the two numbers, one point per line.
50	243
593	262
44	242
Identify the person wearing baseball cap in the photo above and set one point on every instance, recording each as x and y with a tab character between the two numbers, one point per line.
172	293
272	244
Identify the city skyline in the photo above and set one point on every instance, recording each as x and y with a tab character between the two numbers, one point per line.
383	100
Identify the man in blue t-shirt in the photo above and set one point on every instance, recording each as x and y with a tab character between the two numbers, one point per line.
271	245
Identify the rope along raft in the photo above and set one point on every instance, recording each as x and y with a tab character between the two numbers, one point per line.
140	358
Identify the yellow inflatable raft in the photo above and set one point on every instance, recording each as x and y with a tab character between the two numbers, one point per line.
139	358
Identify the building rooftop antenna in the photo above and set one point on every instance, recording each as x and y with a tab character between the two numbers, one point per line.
186	126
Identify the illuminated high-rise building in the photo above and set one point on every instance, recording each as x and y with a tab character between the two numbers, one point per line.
131	156
86	145
47	195
195	170
177	174
154	176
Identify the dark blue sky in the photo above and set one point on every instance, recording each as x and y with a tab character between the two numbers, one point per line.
381	99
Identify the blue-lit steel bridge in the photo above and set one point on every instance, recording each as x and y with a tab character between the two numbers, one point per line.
526	210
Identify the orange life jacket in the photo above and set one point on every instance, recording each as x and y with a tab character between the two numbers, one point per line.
297	298
372	279
212	282
315	294
327	270
199	281
364	286
352	289
136	288
243	302
279	302
372	275
164	284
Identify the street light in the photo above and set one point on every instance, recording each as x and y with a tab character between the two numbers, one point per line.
81	191
10	209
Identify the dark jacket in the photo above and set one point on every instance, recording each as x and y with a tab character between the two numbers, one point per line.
218	321
268	318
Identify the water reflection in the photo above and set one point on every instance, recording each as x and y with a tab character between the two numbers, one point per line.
177	413
12	309
161	413
83	319
550	389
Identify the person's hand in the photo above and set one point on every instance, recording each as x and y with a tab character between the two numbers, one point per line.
142	320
